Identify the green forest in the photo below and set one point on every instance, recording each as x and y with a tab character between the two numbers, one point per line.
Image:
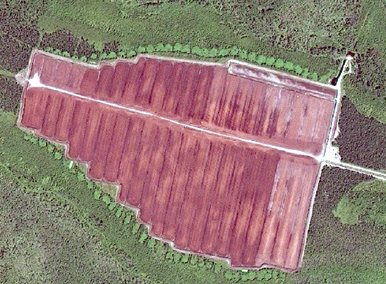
53	221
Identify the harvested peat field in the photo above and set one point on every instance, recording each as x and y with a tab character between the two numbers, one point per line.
221	164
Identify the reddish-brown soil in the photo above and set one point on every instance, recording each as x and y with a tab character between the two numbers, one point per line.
206	193
260	108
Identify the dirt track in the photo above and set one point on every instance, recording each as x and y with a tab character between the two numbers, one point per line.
207	194
205	95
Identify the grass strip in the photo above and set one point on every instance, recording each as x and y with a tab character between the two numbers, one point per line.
132	24
207	54
6	73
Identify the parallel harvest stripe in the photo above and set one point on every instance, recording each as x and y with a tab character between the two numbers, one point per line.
217	159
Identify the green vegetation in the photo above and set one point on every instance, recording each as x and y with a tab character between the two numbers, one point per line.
212	54
366	202
375	186
133	24
348	212
89	230
367	90
43	241
313	35
200	25
373	31
364	100
337	253
6	73
30	167
304	26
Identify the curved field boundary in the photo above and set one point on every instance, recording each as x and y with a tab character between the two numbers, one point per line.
208	53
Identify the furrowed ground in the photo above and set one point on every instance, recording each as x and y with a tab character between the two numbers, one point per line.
321	34
329	255
47	178
335	253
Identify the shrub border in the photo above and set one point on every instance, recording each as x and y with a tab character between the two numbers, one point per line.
208	53
128	218
127	214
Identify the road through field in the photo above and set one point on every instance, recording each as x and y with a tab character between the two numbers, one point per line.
192	190
215	163
36	83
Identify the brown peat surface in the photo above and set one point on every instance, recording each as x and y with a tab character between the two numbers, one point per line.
221	160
